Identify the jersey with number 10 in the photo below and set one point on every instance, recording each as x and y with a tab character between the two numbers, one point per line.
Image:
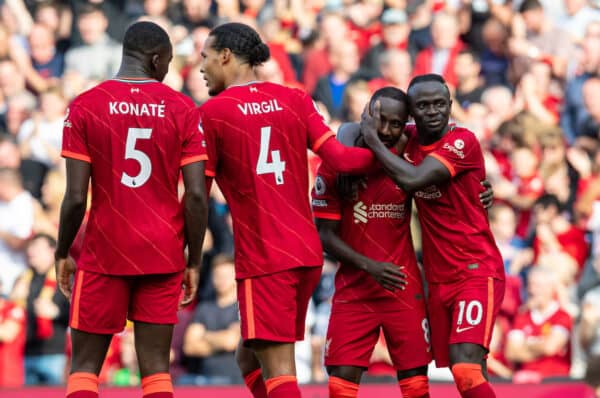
257	139
133	134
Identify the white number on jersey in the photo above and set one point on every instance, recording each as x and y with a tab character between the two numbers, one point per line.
134	134
276	166
473	312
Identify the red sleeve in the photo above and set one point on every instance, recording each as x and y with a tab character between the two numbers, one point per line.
210	139
350	160
459	152
573	242
193	148
325	199
74	143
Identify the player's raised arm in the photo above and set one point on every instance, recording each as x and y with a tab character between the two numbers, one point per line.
408	177
72	212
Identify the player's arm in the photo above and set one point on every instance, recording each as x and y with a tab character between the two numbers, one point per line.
72	212
552	344
387	275
408	177
195	202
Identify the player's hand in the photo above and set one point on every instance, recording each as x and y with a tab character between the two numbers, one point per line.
487	196
65	269
369	124
388	275
191	276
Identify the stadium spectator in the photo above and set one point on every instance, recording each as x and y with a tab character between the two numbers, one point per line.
214	331
469	83
394	36
578	16
12	342
16	221
40	140
503	225
574	112
395	69
98	56
539	341
10	156
355	96
333	29
331	88
440	57
47	315
589	328
494	58
535	37
591	125
46	60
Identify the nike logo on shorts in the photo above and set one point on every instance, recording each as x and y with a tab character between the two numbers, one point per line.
460	330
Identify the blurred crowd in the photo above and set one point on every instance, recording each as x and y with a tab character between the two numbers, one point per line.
524	75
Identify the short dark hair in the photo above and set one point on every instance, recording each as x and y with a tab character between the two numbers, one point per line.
146	38
474	56
48	238
548	200
90	8
428	77
389	92
243	41
528	5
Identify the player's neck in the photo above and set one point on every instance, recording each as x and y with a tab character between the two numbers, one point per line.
430	137
244	76
133	70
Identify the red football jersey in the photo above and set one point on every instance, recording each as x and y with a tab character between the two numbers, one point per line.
133	134
257	135
12	353
457	241
377	225
531	325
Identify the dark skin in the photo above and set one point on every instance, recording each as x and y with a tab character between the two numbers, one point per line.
393	117
152	341
430	107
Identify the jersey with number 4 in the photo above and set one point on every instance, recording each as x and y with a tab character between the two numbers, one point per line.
133	134
257	138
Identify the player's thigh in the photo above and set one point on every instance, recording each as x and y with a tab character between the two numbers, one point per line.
475	306
269	307
407	335
155	298
99	302
440	317
351	336
308	280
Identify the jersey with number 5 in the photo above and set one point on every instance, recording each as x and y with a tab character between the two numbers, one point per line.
257	138
133	134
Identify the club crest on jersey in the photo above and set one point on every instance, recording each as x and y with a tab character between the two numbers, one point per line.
320	186
459	144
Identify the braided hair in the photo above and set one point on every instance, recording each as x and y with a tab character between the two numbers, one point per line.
243	41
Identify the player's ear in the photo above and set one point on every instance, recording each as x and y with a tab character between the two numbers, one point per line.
154	61
225	55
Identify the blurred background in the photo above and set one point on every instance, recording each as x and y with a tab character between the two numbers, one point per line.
525	77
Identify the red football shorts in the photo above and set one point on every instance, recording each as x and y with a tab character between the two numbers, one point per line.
273	307
102	303
462	312
353	332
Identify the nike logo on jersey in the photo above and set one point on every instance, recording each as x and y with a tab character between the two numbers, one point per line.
460	330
